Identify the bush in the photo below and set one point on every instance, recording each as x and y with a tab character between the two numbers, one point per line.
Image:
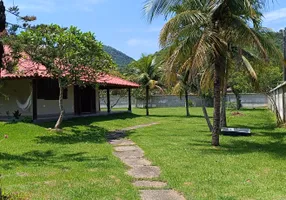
231	105
191	103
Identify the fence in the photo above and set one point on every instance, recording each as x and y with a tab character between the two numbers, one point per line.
247	100
279	97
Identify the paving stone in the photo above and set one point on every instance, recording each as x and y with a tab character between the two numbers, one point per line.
133	156
116	135
150	184
129	154
144	172
160	195
133	162
122	142
127	148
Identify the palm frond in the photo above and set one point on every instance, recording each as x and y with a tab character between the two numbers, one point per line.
249	68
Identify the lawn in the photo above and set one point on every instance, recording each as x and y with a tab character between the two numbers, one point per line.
78	163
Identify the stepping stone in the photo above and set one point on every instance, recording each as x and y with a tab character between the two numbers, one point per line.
135	162
144	172
127	148
160	195
122	142
116	135
129	154
150	184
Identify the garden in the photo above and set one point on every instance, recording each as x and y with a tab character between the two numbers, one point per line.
78	163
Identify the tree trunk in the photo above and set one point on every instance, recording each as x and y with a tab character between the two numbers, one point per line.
187	103
223	104
238	98
61	106
206	114
147	100
217	89
238	101
279	120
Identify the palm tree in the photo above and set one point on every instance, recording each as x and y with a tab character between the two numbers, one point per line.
148	74
206	28
182	87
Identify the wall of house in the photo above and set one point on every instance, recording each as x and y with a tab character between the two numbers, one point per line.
21	90
15	90
49	107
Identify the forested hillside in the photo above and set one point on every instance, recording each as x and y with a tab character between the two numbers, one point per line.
121	59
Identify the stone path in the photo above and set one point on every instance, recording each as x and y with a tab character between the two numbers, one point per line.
141	169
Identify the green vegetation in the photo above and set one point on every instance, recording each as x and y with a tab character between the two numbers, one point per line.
78	163
212	36
147	72
70	56
121	59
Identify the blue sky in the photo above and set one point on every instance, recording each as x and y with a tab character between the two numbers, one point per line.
119	23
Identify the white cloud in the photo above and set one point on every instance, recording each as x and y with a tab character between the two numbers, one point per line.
87	5
126	30
141	42
148	30
275	15
154	30
34	5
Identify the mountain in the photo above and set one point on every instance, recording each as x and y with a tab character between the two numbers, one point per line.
121	59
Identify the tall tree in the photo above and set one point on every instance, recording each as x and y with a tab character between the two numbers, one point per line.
70	56
148	74
206	28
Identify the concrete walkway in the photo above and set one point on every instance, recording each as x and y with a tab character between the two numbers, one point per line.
141	169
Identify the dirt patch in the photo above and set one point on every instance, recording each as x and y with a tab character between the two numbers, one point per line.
239	114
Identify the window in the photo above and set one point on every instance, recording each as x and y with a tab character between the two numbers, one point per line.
48	89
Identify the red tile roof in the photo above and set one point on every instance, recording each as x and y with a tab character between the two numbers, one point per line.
26	68
106	79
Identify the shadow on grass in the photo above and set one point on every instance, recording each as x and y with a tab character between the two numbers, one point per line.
75	134
276	145
89	120
49	158
81	130
178	116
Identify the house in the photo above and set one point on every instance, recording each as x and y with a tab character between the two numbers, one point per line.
31	90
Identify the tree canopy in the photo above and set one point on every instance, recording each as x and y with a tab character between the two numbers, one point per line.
70	55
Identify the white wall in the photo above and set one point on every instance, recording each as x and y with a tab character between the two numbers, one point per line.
20	90
15	90
279	95
49	107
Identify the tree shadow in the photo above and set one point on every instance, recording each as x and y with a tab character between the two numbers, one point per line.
49	158
75	134
179	116
275	146
81	121
81	130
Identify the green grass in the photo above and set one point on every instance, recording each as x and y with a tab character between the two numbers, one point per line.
78	163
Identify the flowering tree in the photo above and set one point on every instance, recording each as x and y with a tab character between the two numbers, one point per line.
70	56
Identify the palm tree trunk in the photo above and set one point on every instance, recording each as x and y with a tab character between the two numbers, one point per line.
187	103
61	106
279	120
147	100
206	114
216	118
223	104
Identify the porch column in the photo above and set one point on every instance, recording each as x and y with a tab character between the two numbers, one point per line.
108	101
77	101
35	98
129	100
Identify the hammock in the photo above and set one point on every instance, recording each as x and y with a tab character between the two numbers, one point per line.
25	106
